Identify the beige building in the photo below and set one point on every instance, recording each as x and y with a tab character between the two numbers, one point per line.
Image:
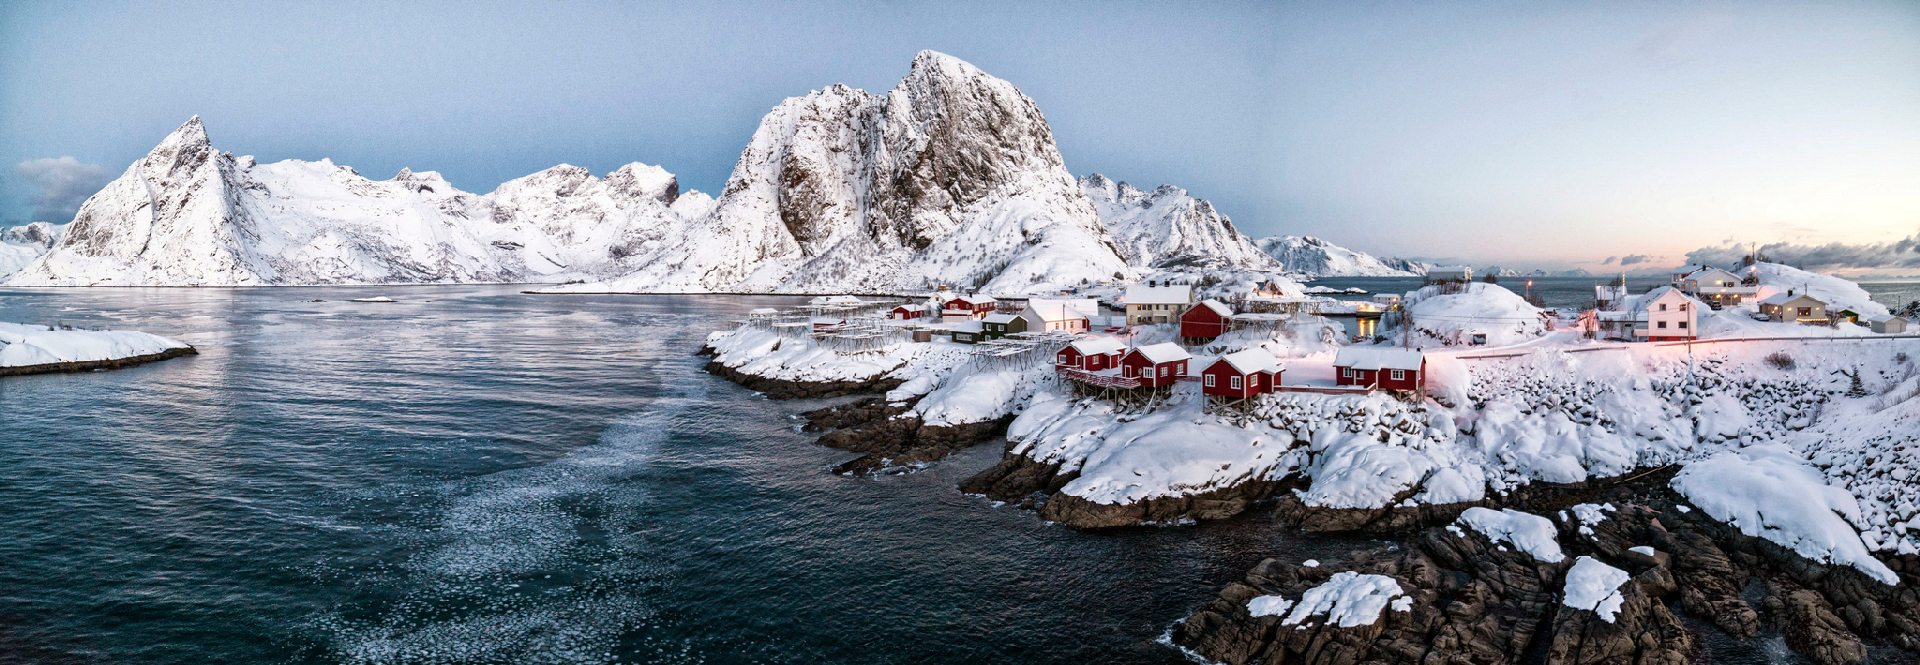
1162	303
1800	308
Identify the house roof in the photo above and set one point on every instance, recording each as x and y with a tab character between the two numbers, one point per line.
1098	346
1251	360
1140	294
1164	352
1359	357
1000	318
1707	270
1784	298
1050	309
973	298
1640	302
1218	307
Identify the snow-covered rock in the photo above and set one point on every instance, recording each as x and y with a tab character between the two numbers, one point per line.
1314	257
1170	228
187	214
1452	314
952	177
1527	532
1594	586
1768	492
1349	599
21	245
23	345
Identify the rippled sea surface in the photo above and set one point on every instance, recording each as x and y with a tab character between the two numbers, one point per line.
477	475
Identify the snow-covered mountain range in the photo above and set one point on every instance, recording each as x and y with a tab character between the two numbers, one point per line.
952	177
1314	257
1171	229
21	245
187	214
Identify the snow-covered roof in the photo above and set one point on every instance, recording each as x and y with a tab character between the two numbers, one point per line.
1783	298
1098	346
1251	360
1218	307
1000	318
1050	309
1708	270
1140	294
1370	358
974	298
967	326
1666	291
1164	352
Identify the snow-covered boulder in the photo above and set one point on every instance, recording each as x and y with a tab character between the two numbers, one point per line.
1452	314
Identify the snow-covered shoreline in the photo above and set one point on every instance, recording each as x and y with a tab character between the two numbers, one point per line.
37	349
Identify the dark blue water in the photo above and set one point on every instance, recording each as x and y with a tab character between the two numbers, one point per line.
476	475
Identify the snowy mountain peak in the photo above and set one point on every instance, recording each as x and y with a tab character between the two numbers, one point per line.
1170	228
1315	257
637	180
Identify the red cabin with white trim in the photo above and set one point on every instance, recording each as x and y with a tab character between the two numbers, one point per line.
1091	354
1206	320
969	306
1241	374
1155	365
1381	367
908	312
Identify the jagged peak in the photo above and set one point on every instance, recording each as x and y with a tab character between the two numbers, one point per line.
189	137
931	61
645	180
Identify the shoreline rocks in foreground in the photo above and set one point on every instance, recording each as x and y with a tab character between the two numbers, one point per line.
1472	598
37	349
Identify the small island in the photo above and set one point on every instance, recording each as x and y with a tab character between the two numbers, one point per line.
39	349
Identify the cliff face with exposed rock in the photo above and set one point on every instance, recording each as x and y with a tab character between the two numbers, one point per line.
1169	228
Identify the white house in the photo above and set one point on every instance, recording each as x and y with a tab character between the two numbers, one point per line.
1157	303
1718	288
1797	308
1661	314
1067	314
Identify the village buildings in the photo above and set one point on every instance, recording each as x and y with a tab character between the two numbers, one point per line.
1157	303
1384	368
1155	365
1794	308
1001	324
965	307
1061	315
1241	374
1091	354
1206	320
1661	314
1715	287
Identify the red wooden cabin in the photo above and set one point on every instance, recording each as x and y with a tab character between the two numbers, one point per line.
1155	365
1206	320
906	312
1241	374
973	305
1381	367
1090	353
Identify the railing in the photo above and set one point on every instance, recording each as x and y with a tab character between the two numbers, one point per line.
1102	380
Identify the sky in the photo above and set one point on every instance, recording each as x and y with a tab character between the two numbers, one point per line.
1525	134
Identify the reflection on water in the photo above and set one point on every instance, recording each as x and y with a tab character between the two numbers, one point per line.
472	474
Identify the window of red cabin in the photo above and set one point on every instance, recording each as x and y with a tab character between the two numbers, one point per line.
1209	378
1399	374
1234	383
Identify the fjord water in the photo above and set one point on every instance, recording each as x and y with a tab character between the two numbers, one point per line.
477	475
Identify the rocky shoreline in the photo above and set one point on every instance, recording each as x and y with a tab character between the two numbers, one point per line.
887	434
1022	481
1474	600
91	365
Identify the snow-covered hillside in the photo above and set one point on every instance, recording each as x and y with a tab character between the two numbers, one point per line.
1314	257
187	214
951	177
20	245
1170	228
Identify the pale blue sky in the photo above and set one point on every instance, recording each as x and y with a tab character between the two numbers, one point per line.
1522	133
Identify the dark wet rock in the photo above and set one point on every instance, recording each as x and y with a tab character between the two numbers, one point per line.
1476	602
890	437
91	365
784	389
1214	504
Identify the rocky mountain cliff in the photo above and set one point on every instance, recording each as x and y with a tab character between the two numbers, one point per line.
21	245
187	214
952	177
1314	257
1169	228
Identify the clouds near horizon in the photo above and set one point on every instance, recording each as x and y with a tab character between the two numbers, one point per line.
63	183
1898	254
